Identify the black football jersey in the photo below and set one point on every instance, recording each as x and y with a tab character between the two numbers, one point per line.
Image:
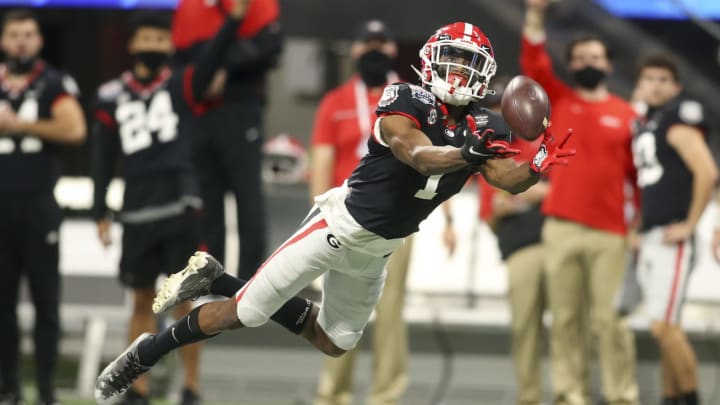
387	196
663	177
28	163
141	123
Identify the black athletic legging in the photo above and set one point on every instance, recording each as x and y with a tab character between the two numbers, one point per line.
29	230
228	141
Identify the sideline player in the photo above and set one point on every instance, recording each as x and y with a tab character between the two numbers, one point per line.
425	145
142	116
38	113
677	174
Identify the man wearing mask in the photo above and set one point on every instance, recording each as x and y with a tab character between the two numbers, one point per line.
38	112
142	117
342	126
585	228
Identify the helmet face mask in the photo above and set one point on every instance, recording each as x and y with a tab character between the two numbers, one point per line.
457	64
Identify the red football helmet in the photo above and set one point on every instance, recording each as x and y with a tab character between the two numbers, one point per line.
457	63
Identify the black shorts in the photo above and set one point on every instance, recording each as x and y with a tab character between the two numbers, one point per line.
159	247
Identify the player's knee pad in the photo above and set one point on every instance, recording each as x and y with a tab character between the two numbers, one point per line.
250	317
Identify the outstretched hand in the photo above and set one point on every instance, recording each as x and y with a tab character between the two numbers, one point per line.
480	146
551	153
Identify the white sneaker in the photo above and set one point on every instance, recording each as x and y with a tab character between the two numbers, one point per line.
192	282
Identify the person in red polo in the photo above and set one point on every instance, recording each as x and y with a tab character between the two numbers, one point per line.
585	228
343	124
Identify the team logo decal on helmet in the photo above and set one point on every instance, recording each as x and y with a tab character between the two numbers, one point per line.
457	63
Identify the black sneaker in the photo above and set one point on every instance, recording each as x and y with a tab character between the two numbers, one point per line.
189	397
119	375
133	397
192	282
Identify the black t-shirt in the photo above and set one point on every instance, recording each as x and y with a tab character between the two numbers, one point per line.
663	177
146	124
387	196
517	231
28	163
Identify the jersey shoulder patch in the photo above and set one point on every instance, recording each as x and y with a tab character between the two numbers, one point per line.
110	90
390	94
70	85
399	98
690	112
422	95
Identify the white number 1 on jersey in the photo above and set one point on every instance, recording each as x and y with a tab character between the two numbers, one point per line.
430	190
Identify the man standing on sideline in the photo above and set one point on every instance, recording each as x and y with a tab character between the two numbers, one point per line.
38	111
677	175
585	228
228	140
343	125
142	116
517	222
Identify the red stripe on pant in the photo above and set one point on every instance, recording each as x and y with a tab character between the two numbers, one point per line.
312	228
676	281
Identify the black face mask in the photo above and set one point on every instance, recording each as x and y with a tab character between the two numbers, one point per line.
588	77
374	67
153	60
20	65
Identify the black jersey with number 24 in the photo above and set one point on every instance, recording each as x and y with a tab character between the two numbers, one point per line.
387	196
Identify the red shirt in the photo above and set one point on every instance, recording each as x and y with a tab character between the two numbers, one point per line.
199	20
590	190
337	125
528	149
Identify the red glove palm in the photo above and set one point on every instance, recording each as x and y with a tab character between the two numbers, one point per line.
551	153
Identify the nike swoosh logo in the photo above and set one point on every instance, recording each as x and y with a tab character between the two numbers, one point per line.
473	152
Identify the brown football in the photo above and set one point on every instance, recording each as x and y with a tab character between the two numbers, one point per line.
525	107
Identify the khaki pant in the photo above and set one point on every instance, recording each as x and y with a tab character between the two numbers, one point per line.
390	347
584	268
526	293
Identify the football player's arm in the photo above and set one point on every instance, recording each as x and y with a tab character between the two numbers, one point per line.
508	175
322	168
534	59
214	53
449	237
65	125
104	152
689	142
412	147
322	153
256	53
